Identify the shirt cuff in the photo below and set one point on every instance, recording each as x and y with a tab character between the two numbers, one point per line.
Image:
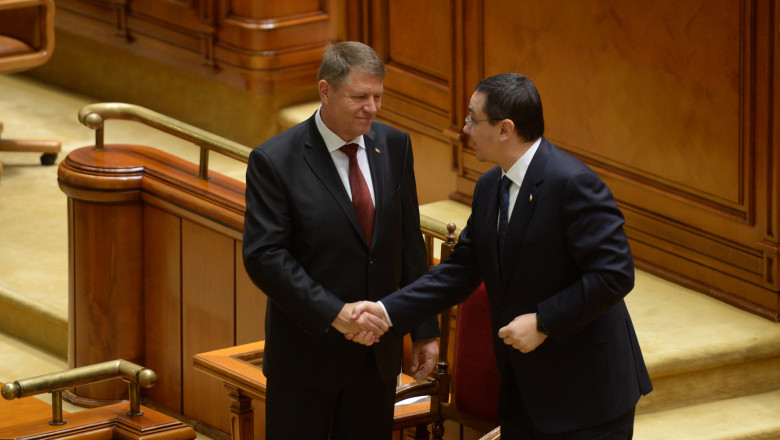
389	322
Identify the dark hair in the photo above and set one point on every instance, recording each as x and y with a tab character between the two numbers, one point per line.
341	58
513	96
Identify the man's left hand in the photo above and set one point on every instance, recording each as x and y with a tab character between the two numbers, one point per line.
427	351
522	334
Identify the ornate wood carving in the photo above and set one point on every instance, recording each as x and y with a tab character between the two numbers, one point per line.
264	47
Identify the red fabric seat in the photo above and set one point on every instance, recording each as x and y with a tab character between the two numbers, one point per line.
475	379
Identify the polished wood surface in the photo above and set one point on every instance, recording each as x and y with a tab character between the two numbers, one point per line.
265	47
22	411
240	370
29	418
156	274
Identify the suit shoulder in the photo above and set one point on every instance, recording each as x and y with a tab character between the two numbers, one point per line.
566	164
285	142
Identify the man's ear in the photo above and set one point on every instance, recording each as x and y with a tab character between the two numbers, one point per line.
325	89
507	128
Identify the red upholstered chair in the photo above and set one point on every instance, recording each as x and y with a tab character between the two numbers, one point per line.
26	41
475	382
464	386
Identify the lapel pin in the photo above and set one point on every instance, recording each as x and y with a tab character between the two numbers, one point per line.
530	198
377	150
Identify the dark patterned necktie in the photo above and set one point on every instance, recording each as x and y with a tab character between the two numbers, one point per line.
503	210
361	197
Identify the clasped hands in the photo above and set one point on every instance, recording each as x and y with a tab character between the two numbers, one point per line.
362	322
365	322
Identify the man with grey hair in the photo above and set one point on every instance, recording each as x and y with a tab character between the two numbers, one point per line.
332	218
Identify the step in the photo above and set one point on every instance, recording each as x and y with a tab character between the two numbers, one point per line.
754	417
698	349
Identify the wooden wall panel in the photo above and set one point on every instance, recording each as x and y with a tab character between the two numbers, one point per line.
264	47
631	86
109	239
207	318
414	40
672	104
163	305
154	276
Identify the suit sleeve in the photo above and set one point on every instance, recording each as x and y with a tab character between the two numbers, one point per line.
597	242
267	259
447	284
414	253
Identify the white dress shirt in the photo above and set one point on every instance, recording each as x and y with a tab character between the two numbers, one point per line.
333	142
517	173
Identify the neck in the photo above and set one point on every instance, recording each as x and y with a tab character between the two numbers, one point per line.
513	153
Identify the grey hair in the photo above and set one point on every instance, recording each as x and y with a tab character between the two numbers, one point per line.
341	58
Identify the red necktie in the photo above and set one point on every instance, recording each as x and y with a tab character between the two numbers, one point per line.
361	197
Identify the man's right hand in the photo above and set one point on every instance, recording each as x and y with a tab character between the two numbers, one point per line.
360	327
365	313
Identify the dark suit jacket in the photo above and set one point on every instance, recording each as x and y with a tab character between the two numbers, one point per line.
303	247
567	257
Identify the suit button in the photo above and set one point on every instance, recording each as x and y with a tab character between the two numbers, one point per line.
370	260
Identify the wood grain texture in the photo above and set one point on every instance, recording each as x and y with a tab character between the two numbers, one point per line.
673	105
264	47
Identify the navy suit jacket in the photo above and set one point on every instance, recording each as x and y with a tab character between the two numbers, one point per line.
567	257
303	247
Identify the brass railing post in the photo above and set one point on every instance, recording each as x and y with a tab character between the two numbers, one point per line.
56	408
135	400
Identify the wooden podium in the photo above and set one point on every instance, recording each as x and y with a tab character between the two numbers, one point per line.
240	370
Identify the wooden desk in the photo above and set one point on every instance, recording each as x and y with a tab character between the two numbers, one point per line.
240	370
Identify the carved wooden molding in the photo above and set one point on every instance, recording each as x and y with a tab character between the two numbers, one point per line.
264	47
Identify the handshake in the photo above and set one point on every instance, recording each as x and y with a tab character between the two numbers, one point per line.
362	322
365	322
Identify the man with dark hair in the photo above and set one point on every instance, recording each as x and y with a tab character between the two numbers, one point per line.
546	237
332	218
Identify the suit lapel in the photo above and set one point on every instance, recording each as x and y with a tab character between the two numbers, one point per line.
491	217
376	163
527	199
317	156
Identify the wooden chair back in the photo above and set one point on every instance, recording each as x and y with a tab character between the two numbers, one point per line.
464	385
26	34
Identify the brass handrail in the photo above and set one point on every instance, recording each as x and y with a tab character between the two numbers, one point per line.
94	116
55	383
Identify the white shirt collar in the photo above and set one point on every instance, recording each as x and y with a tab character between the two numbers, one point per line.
517	172
332	141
